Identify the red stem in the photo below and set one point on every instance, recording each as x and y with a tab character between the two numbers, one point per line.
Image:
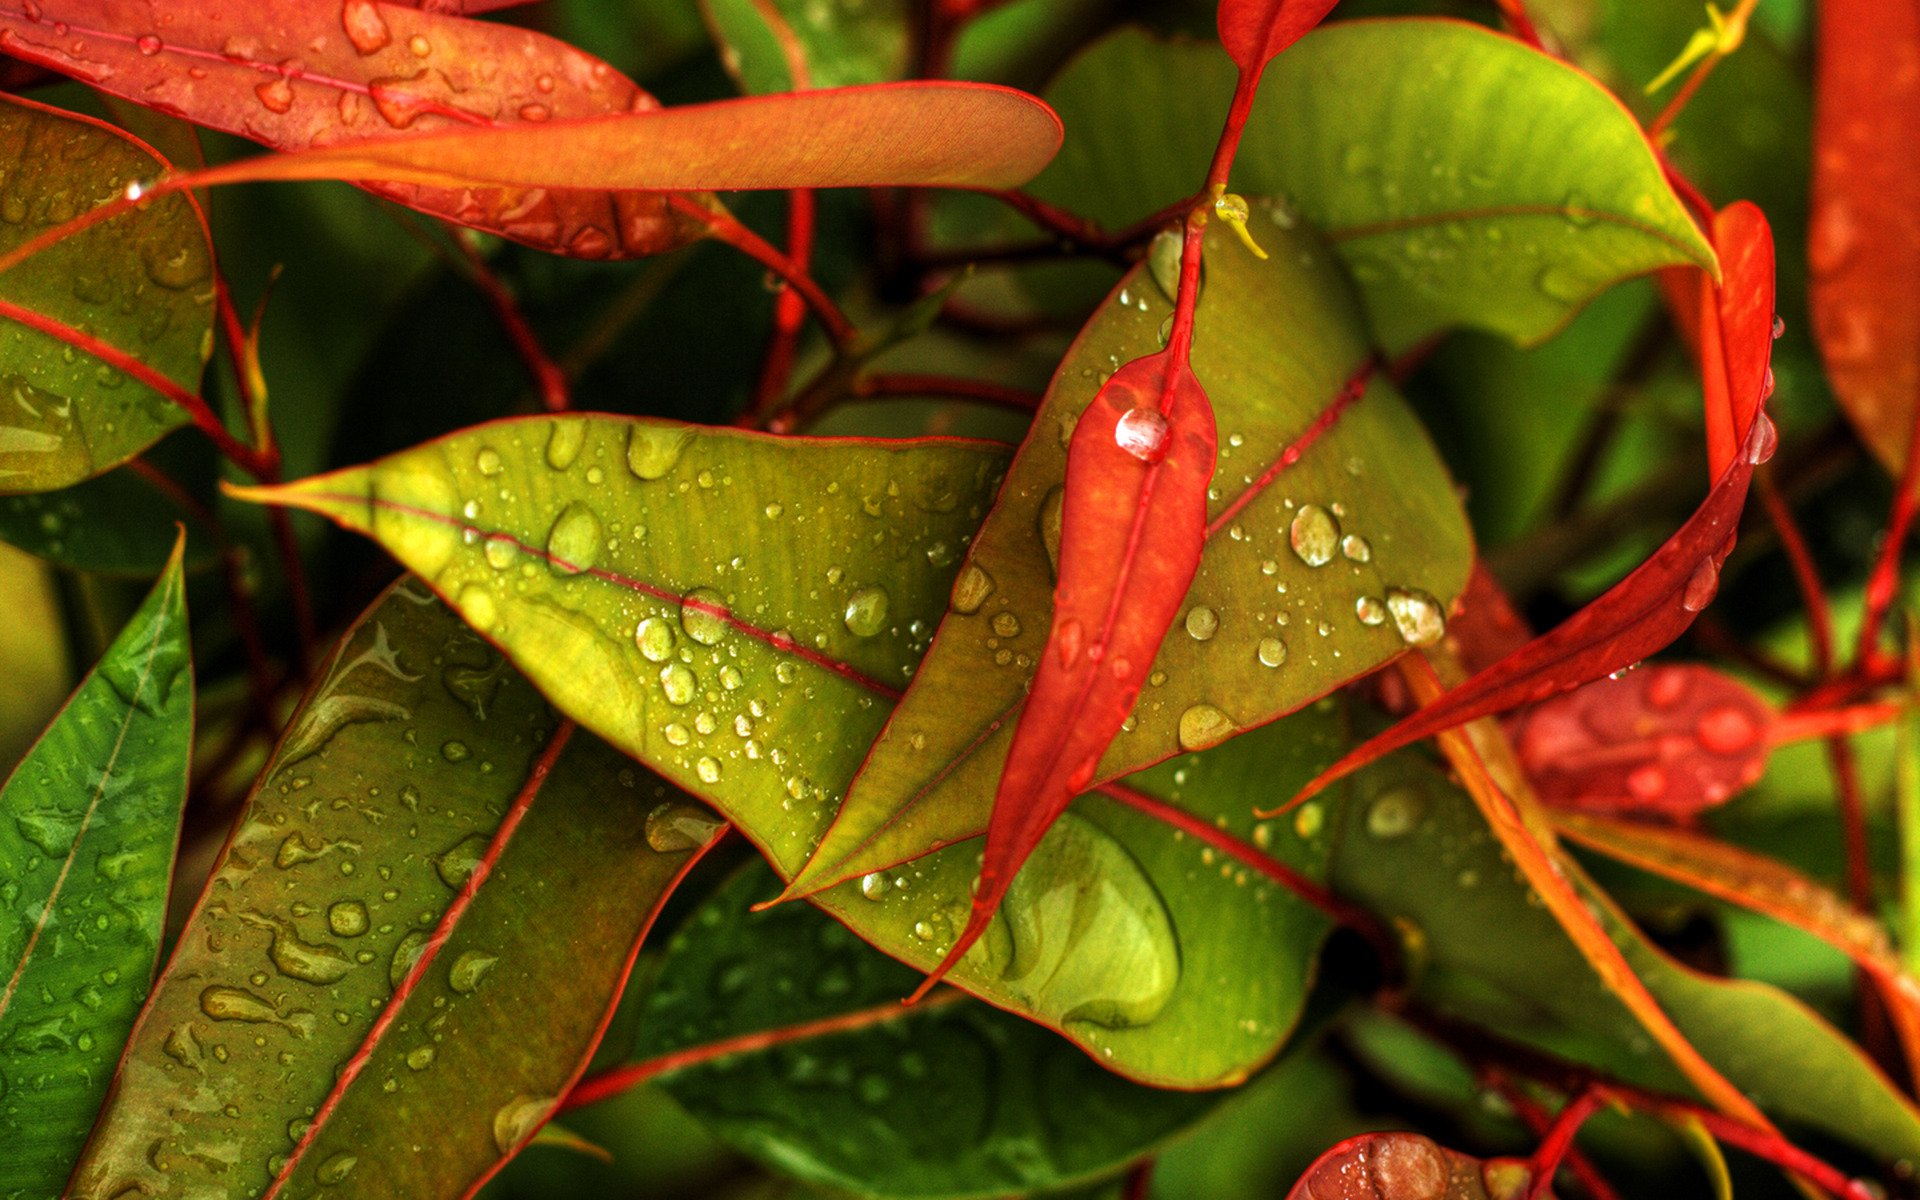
1804	725
1812	593
1139	1183
1884	584
1853	823
1514	13
1558	1140
1537	1119
1773	1149
789	314
725	229
980	390
547	375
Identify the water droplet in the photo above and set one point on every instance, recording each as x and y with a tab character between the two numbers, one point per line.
347	918
488	462
335	1169
1647	782
477	607
1779	326
970	590
276	95
149	44
469	969
458	862
564	443
1562	283
1006	624
1762	439
652	450
237	1004
874	885
516	1120
1701	586
574	541
678	683
655	637
1370	610
1308	820
708	769
419	1058
296	959
675	826
1396	812
1418	616
1314	535
405	954
365	27
1202	623
455	751
500	551
1053	508
1272	652
703	615
1142	432
1163	262
866	611
1204	725
1356	548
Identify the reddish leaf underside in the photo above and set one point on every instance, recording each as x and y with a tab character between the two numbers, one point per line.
1667	741
1406	1166
1133	524
1253	31
1863	247
1646	611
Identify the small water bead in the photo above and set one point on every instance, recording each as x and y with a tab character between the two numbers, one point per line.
1006	624
455	751
708	769
336	1169
1314	535
875	885
1202	623
1356	548
1203	725
970	590
347	918
488	461
1702	585
573	544
703	615
1417	615
677	734
1271	652
1142	432
655	637
420	1058
866	611
1308	820
1762	439
500	551
678	683
1396	812
673	826
1779	326
1370	610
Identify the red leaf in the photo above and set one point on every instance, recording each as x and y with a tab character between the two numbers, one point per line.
1253	31
1652	606
1669	740
1861	246
1406	1166
1131	531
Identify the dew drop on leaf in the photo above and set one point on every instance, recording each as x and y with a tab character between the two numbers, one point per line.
1203	725
1370	610
573	544
866	611
675	826
677	682
1396	812
874	885
347	918
1142	432
1202	623
469	969
1763	439
652	451
655	637
1314	535
1418	616
1271	652
1356	548
703	615
970	590
1701	586
565	441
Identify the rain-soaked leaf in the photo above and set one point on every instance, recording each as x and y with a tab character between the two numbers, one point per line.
1863	250
137	289
1407	1166
759	681
88	825
1464	178
119	523
837	45
1670	740
947	1099
411	945
1414	849
1334	541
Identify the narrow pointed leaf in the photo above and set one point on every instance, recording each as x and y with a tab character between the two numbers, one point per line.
1253	31
1408	1166
1658	600
391	978
88	825
73	316
1133	525
759	685
1333	538
1861	247
1463	178
914	134
297	73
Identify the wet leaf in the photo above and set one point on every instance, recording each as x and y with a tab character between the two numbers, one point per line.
388	984
138	288
1414	849
1462	177
1407	1166
119	523
949	1099
88	824
837	45
1334	539
1253	31
1658	600
1861	248
1666	741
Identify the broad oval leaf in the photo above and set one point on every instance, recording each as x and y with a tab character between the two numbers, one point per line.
758	682
1407	1166
949	1099
134	290
1464	178
1334	538
389	982
1861	246
88	825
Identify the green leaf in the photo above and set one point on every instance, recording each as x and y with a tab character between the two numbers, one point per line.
118	523
768	711
88	825
1464	178
411	944
839	45
945	1099
1414	849
140	283
1324	509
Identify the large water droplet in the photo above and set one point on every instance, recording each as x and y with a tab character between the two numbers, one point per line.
703	615
866	611
573	544
1762	439
675	826
1370	610
1314	535
469	969
655	637
516	1120
1701	586
677	682
1202	623
565	441
652	450
1203	725
365	27
275	95
1418	616
1728	730
1271	652
1142	432
970	590
457	863
875	885
405	954
336	1169
1356	548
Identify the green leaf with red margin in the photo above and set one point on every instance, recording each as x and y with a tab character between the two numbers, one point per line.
1334	537
836	46
1407	1166
1658	600
758	682
294	73
1861	247
129	296
1253	31
88	825
372	990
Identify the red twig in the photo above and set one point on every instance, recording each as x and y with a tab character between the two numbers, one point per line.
547	375
1540	1122
1558	1140
724	228
1514	13
1884	583
1139	1183
789	314
1805	575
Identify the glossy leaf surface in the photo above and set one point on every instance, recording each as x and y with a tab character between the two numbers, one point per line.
1862	248
1413	848
1407	1166
117	524
952	1099
759	686
88	824
371	992
139	286
1464	178
1333	538
836	46
292	74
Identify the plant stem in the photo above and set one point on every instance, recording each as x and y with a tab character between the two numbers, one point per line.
1558	1140
547	375
1883	585
726	229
